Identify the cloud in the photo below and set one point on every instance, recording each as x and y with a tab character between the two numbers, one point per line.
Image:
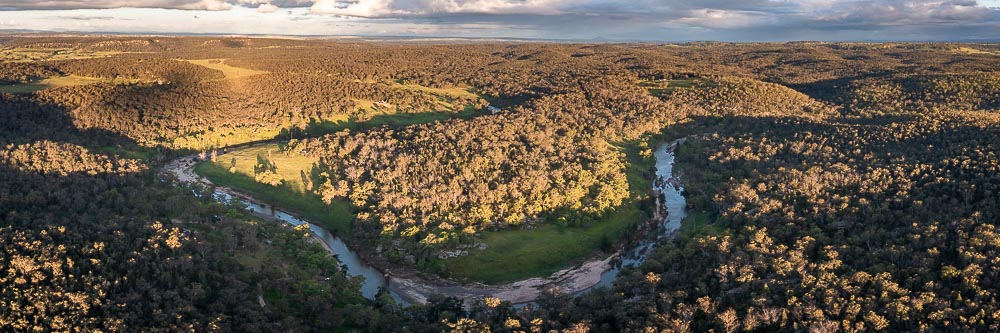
696	12
388	8
496	7
900	12
623	19
106	4
212	5
207	5
267	8
722	19
361	8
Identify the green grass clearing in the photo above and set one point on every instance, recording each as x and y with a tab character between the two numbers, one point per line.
229	71
969	50
538	252
225	137
386	119
454	91
336	217
373	117
290	168
665	87
445	95
699	223
49	54
254	259
53	82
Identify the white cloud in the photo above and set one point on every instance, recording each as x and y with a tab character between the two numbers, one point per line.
267	8
107	4
208	5
384	8
722	19
543	7
625	19
897	11
361	8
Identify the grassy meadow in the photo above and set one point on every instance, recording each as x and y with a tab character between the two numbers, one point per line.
50	54
336	216
52	82
229	71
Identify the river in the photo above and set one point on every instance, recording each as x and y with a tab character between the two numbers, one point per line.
671	199
349	260
413	287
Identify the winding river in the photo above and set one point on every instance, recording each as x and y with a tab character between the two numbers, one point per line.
407	286
671	201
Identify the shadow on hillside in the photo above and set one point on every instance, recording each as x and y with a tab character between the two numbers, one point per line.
83	228
25	120
316	129
833	90
856	143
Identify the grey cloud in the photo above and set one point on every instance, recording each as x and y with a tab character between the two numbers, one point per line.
894	12
622	19
106	4
166	4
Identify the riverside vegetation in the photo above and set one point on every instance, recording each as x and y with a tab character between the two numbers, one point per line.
832	186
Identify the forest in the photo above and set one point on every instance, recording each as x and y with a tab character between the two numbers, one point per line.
831	187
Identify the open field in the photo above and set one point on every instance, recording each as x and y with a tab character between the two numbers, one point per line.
445	95
52	82
49	54
455	91
335	217
291	166
226	137
229	71
538	252
661	87
971	50
665	87
386	119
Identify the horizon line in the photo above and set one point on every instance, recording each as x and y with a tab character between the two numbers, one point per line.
472	38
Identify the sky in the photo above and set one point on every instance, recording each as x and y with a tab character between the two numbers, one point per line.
652	20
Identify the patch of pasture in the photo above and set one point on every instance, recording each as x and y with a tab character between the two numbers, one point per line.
51	54
52	82
230	72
